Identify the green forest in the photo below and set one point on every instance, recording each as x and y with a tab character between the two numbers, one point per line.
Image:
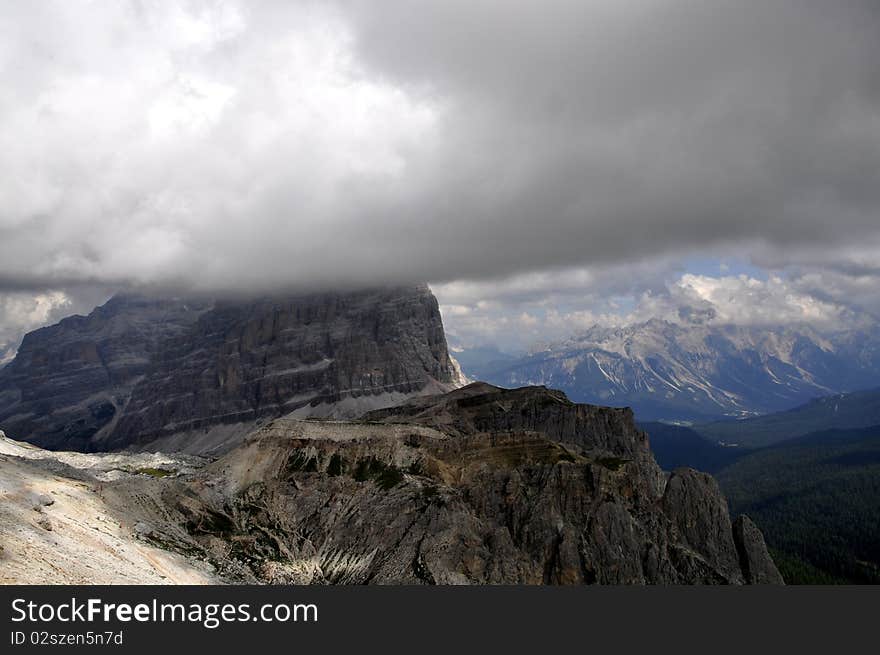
817	500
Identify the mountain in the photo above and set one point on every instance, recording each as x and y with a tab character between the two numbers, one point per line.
480	485
817	500
69	381
838	412
198	376
698	372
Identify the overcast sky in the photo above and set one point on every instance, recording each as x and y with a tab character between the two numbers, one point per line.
544	165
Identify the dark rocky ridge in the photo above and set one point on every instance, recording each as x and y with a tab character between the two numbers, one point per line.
482	407
480	485
135	370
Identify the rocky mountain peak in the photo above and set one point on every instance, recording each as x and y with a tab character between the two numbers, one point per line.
198	375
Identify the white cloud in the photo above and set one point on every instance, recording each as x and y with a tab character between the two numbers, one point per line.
23	312
745	300
201	144
539	313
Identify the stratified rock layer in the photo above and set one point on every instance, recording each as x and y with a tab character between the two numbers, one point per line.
198	377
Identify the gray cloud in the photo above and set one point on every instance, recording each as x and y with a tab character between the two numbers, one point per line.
227	146
239	146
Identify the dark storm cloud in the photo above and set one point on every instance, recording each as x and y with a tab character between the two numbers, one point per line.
225	146
608	131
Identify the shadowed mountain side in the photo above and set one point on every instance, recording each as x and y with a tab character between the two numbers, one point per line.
676	445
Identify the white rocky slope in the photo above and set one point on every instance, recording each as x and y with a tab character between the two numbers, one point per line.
62	521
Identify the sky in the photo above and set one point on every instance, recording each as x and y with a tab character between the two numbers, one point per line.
544	166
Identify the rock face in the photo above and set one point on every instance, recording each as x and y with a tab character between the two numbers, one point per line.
198	377
757	566
477	486
480	485
694	503
69	382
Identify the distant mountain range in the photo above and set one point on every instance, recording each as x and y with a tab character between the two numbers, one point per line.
693	372
712	446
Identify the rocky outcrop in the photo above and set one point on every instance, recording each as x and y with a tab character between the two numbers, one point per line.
198	377
326	354
469	487
693	502
481	407
754	558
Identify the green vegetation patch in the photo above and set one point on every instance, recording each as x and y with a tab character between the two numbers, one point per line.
797	571
817	501
611	463
431	495
385	476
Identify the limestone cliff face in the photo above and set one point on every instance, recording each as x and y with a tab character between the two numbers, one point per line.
331	354
197	377
480	485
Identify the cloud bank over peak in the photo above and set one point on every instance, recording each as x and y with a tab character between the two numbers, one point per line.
577	148
230	145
